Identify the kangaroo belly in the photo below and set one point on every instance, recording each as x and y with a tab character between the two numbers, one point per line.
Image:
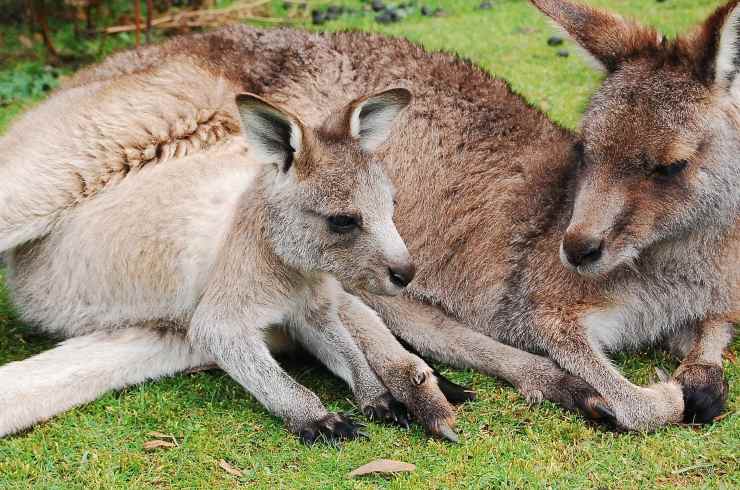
138	252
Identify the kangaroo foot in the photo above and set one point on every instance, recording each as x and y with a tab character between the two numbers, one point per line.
387	409
704	391
331	428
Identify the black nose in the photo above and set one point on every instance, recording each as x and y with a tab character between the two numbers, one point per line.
582	250
401	276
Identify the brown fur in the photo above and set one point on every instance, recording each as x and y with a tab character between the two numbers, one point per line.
488	187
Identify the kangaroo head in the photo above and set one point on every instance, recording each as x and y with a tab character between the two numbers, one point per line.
660	142
329	202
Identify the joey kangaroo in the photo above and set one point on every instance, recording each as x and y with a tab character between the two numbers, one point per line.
538	250
236	251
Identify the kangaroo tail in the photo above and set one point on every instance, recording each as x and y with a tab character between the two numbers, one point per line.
81	369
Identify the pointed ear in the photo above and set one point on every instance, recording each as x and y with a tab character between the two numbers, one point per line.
716	45
607	37
371	118
273	135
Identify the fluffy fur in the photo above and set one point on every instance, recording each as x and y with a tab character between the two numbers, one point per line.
489	190
217	255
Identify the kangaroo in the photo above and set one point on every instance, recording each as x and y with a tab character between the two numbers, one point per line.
239	250
539	251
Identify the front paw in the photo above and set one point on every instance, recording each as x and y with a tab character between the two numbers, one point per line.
331	428
413	383
387	409
549	382
654	406
704	391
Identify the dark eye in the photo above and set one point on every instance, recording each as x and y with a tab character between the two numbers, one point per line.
667	171
343	223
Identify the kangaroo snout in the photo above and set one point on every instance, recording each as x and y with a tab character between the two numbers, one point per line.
401	275
580	249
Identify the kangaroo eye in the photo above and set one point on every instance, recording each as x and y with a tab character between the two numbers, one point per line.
343	223
667	171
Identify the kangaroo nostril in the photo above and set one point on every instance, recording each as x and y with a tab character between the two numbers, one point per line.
580	250
401	276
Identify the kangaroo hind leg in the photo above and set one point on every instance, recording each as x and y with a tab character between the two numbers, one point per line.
81	369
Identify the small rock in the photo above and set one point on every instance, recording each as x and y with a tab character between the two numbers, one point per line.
439	12
554	41
563	53
485	6
318	17
378	5
426	11
388	16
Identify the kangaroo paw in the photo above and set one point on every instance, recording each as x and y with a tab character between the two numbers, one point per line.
387	409
570	392
413	383
331	428
704	392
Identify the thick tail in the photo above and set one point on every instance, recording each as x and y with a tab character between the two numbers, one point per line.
81	369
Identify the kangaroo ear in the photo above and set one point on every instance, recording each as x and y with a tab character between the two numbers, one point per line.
607	37
371	118
273	135
717	47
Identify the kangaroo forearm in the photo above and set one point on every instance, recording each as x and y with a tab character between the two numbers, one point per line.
333	345
244	356
372	336
433	333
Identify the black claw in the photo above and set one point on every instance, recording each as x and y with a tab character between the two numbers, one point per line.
455	393
387	409
332	428
604	411
703	403
400	414
370	413
704	393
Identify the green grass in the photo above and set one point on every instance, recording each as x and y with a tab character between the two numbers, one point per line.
505	443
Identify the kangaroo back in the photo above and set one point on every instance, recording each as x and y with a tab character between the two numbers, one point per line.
90	137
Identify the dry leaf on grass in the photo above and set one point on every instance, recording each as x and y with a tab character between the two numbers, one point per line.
25	41
383	467
158	444
164	437
161	435
229	469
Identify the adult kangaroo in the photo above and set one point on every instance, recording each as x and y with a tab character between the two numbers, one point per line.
530	239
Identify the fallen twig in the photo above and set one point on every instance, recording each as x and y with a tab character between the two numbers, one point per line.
202	18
